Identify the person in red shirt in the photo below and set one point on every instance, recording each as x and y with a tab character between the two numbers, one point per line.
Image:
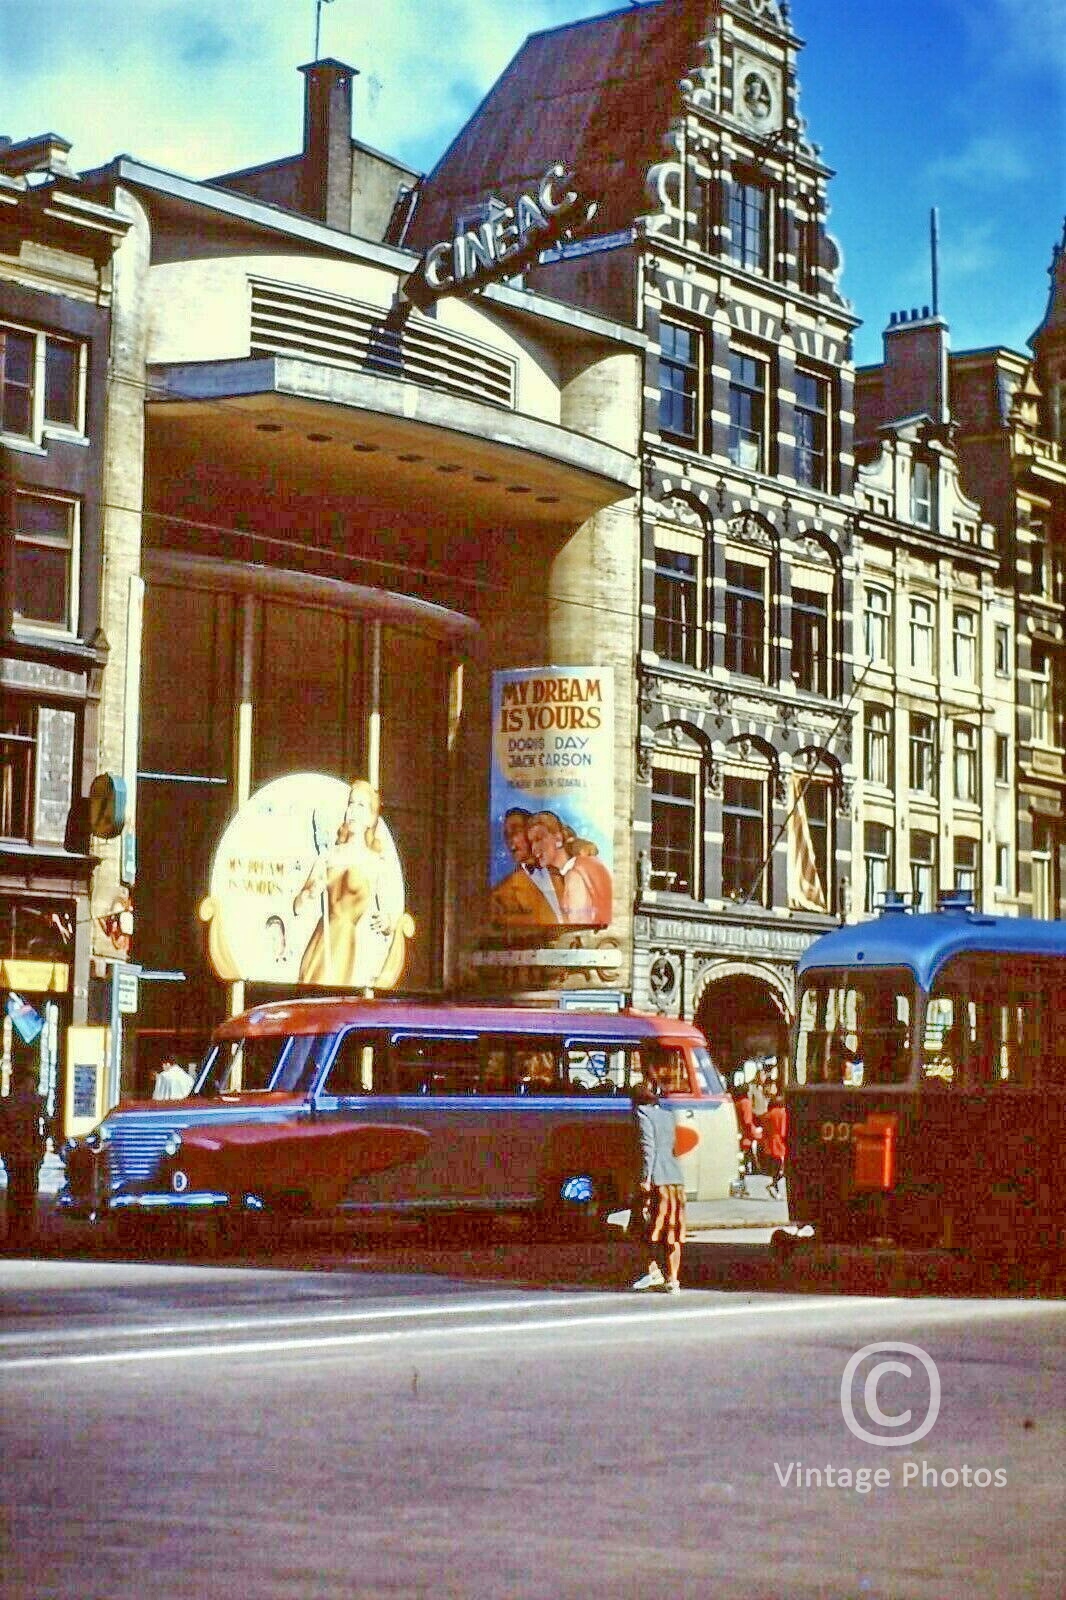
774	1127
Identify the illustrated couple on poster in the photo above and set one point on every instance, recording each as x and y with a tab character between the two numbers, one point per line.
557	878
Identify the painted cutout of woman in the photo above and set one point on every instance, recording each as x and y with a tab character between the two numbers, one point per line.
360	939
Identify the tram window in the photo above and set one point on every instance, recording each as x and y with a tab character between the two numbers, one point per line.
353	1069
996	1025
854	1031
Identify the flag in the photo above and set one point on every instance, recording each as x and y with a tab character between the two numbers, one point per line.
25	1020
806	891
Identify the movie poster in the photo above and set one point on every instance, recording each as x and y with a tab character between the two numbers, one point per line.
307	888
551	854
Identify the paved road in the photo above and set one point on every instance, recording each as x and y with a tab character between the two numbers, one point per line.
418	1423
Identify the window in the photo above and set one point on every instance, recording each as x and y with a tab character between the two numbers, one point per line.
749	223
744	839
967	777
745	618
45	578
1043	700
1037	551
877	745
921	494
876	625
676	633
923	754
1002	758
964	644
18	745
810	640
1002	650
1042	870
41	383
674	828
923	636
1003	874
877	863
747	411
966	867
679	382
923	870
812	431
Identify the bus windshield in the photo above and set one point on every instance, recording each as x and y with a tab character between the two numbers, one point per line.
854	1028
287	1064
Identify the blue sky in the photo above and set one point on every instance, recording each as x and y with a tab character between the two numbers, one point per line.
955	103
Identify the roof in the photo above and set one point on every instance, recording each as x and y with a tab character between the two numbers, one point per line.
329	1014
923	942
598	95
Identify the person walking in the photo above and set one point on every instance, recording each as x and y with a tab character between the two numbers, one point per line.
775	1125
662	1189
22	1146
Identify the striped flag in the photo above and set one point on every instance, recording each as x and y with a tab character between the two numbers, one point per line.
806	891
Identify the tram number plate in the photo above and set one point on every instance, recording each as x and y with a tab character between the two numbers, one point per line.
836	1132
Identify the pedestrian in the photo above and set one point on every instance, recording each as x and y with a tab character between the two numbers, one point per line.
662	1189
22	1146
760	1094
775	1127
172	1082
750	1132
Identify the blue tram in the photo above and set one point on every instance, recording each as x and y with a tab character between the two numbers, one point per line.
927	1082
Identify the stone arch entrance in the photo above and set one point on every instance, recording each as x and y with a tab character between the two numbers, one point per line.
744	1012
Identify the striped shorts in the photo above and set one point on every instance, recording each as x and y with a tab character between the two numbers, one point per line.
666	1214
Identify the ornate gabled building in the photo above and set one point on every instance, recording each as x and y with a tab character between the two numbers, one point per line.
682	121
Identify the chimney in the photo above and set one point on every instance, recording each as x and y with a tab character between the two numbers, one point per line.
916	366
327	153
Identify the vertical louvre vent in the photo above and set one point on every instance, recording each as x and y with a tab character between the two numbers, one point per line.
292	321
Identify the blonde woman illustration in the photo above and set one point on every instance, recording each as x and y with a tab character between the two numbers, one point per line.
360	938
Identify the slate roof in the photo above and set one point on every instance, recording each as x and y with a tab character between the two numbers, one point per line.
598	95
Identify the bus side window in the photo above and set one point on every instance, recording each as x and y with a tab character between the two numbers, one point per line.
536	1069
667	1065
432	1065
594	1069
352	1071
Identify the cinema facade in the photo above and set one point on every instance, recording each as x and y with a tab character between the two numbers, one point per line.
365	529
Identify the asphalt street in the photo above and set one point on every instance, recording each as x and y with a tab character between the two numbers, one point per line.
492	1420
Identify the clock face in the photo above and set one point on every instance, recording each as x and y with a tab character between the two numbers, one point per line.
757	96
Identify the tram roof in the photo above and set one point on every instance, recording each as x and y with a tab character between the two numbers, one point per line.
923	941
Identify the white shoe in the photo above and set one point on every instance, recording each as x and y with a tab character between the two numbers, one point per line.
651	1280
671	1286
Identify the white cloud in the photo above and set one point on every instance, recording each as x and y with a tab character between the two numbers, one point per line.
988	159
204	88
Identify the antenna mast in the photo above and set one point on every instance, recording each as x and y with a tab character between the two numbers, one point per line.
318	23
934	254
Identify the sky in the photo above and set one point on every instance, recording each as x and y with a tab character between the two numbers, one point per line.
958	104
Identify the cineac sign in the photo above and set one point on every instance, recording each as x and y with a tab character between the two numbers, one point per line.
510	238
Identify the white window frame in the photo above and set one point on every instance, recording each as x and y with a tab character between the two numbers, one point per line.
964	643
924	632
877	745
69	627
966	763
41	426
879	622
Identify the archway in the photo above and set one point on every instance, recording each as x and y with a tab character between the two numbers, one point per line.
743	1015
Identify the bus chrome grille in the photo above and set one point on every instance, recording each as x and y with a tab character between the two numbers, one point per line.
134	1151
